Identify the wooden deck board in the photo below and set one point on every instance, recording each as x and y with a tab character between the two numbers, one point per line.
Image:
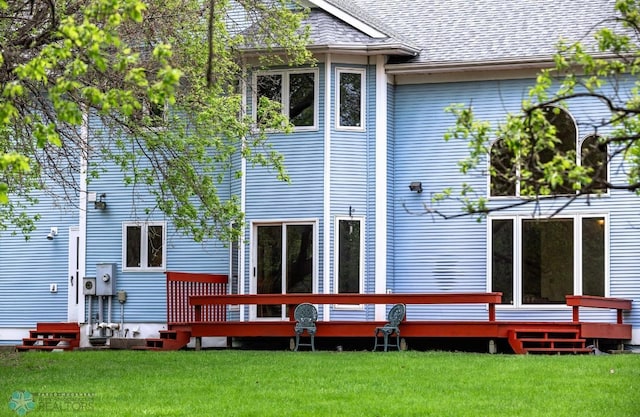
413	328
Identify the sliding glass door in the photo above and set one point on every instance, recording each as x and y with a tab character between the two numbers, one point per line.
284	262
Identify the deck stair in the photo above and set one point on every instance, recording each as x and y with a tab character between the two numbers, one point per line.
52	336
547	341
168	340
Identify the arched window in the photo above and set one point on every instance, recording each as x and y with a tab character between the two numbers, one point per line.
567	134
503	169
593	154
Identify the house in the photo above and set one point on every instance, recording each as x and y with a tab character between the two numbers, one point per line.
366	157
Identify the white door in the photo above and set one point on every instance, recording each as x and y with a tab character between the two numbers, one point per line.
75	298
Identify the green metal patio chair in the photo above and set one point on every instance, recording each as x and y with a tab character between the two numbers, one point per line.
395	316
306	316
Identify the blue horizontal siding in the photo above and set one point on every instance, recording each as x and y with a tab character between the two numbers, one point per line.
146	291
432	254
353	186
269	199
28	267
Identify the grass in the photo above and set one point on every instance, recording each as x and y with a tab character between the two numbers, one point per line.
267	383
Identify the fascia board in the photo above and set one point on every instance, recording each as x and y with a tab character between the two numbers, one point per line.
349	19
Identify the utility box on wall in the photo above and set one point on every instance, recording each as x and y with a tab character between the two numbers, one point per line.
105	279
89	286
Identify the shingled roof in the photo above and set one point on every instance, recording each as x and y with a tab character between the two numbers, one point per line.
461	32
327	31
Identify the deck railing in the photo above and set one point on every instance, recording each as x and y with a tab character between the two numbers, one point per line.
618	304
202	302
181	286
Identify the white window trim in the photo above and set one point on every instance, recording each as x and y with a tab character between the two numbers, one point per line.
146	111
143	246
285	94
517	258
336	266
363	100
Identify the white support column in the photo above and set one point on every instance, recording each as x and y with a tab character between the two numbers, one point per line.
326	222
82	213
381	185
243	204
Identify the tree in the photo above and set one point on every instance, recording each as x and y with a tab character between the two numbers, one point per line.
162	76
527	152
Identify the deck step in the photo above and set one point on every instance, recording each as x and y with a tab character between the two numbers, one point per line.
52	336
547	341
560	350
168	340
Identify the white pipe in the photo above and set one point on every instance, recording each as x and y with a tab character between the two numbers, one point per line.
89	324
109	313
109	310
100	318
121	319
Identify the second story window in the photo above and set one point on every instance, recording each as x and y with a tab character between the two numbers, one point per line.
296	91
593	154
350	99
505	172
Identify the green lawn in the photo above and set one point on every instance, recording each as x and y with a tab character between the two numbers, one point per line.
267	383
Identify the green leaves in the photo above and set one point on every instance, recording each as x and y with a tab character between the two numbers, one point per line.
528	149
162	83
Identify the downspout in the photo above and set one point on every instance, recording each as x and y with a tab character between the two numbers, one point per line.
381	185
326	287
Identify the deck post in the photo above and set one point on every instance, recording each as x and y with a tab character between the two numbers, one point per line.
198	313
291	308
576	314
492	312
198	343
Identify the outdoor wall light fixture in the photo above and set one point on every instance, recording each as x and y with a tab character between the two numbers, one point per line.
53	233
100	204
416	186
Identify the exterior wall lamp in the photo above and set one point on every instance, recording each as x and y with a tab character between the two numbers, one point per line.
100	204
416	186
53	233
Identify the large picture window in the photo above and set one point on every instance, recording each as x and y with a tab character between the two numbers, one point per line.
540	261
143	246
350	99
296	91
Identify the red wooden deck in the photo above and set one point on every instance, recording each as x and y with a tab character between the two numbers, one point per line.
196	317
